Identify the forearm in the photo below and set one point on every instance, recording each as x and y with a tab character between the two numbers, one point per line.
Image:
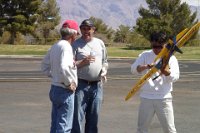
141	68
86	61
79	63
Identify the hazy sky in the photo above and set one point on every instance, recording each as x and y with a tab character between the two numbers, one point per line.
192	2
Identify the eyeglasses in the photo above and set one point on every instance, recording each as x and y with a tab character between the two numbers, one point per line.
157	47
85	28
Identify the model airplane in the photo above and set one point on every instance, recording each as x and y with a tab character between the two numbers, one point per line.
162	58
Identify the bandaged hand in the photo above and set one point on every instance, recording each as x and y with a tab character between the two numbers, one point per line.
103	75
104	72
104	79
104	69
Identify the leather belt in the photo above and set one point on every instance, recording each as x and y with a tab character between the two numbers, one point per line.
88	82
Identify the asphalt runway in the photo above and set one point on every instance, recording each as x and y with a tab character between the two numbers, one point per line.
25	105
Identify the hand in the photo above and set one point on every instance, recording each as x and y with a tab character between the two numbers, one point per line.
165	70
103	71
104	79
149	66
141	68
86	61
72	87
89	59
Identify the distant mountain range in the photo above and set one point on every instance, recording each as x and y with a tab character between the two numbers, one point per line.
112	12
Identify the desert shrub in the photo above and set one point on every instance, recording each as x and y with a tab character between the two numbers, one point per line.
5	38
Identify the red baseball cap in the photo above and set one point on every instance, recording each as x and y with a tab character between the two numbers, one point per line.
71	24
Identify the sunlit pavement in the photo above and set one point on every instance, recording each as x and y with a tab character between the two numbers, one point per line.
25	106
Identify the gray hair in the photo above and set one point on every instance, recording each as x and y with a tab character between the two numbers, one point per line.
65	31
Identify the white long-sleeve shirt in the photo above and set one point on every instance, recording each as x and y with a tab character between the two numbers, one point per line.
59	64
161	87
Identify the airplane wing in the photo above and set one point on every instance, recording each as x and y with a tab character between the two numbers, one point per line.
170	48
142	80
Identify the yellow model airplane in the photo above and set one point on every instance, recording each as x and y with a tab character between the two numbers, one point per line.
163	57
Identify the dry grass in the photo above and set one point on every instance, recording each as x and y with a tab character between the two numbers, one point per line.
188	52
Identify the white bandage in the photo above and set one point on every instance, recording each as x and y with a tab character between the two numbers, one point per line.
104	69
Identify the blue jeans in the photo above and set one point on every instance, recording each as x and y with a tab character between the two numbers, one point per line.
88	100
62	109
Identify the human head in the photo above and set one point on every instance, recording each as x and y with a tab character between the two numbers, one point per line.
87	29
158	39
69	30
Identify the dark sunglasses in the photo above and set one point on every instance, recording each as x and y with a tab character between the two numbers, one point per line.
85	28
157	47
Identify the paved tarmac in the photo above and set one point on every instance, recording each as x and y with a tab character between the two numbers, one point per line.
25	106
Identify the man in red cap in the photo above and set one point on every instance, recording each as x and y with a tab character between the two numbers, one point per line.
59	64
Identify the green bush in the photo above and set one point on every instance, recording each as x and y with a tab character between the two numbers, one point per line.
138	42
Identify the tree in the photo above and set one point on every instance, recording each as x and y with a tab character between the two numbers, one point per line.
49	18
122	34
102	28
18	16
170	16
